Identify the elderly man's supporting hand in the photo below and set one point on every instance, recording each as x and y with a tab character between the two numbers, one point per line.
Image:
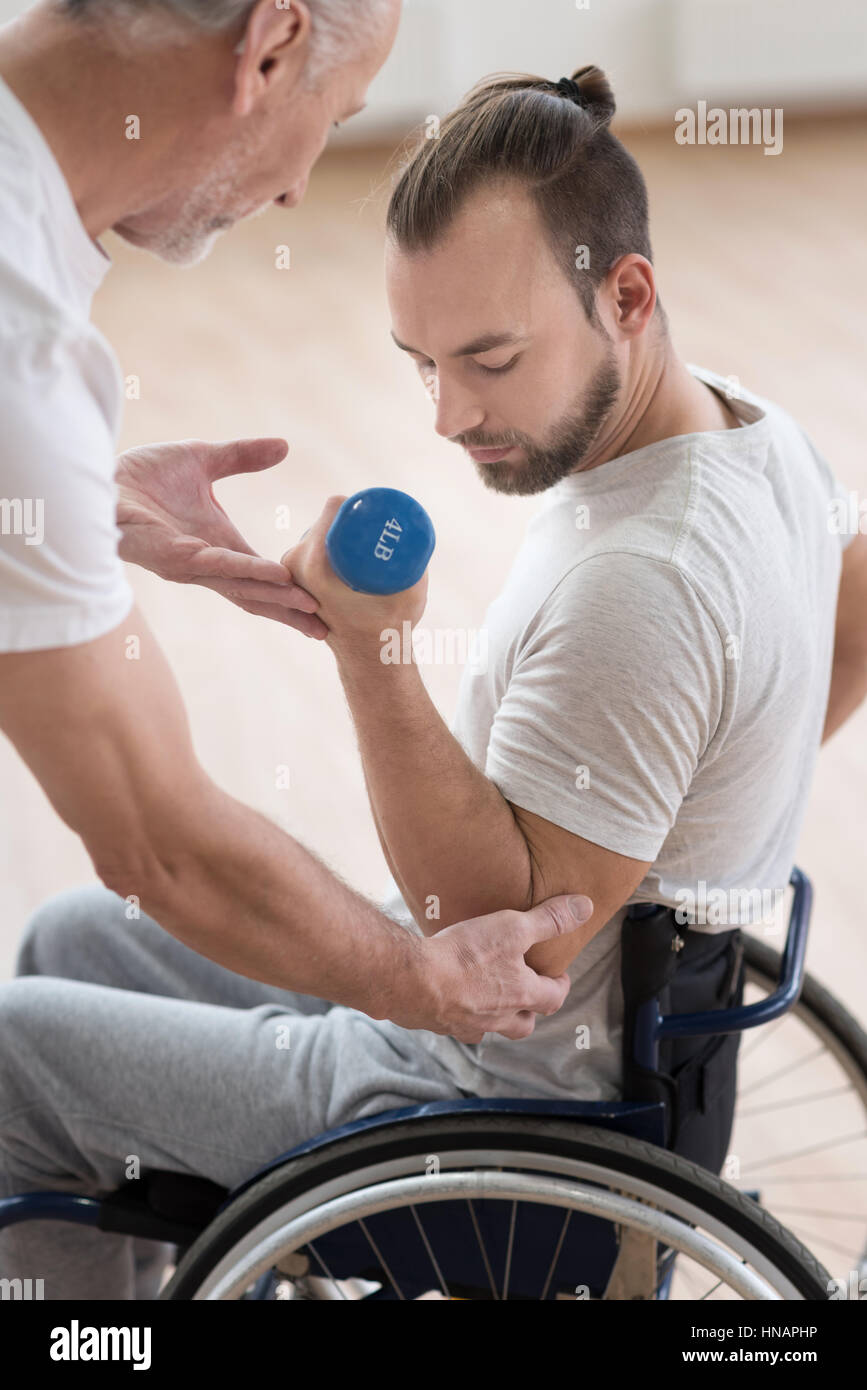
173	525
482	981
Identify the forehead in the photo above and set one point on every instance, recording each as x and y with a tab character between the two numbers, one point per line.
494	261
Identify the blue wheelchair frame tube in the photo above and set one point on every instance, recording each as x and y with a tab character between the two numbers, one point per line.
50	1206
651	1026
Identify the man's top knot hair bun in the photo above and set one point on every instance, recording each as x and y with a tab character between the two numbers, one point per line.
569	88
588	87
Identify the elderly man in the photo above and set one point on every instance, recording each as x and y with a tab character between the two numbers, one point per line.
233	102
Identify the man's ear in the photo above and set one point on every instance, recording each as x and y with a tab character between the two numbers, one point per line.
275	47
634	290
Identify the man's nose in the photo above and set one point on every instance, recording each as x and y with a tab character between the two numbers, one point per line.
457	411
295	195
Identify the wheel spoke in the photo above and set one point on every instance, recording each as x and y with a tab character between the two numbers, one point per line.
795	1100
811	1149
762	1036
391	1279
328	1274
427	1245
483	1249
509	1249
556	1256
783	1071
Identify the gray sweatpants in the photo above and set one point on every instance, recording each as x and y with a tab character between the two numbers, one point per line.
118	1043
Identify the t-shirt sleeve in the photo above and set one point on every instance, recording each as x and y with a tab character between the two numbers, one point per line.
617	689
840	510
61	579
839	498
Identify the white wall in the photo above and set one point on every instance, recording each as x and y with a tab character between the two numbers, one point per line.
659	54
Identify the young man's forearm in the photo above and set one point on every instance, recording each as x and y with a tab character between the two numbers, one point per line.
450	836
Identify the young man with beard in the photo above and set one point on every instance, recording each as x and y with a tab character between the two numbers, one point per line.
669	650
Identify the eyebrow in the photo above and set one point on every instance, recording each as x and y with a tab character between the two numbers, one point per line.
486	343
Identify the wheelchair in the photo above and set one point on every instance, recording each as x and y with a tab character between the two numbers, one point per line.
536	1199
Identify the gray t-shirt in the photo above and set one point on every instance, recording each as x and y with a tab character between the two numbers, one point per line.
656	681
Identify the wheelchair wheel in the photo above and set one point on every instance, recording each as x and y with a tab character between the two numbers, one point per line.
489	1207
799	1140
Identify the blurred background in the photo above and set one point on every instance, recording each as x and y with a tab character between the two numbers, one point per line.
761	265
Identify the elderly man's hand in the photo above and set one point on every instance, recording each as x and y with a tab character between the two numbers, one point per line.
475	978
356	622
173	525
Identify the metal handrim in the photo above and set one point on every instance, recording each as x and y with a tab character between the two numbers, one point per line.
680	1210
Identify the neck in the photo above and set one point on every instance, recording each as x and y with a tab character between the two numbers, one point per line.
664	400
81	89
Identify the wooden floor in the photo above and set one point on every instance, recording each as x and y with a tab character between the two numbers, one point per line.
762	268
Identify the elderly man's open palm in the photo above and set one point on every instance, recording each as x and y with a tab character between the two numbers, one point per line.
173	525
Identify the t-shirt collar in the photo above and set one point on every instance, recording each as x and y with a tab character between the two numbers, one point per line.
755	422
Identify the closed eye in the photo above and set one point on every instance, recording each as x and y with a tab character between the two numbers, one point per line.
491	371
507	366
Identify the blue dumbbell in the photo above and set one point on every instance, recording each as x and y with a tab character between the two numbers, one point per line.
380	541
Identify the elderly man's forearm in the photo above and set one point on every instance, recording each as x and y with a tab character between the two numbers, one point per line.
236	889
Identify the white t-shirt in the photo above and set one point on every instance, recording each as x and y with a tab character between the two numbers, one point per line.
61	395
656	681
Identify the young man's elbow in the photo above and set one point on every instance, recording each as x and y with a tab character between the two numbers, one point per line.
137	864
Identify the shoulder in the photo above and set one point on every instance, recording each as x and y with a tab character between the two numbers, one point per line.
621	607
624	578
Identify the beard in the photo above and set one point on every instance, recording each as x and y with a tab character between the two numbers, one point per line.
562	453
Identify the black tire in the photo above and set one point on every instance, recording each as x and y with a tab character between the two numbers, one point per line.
465	1131
815	998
